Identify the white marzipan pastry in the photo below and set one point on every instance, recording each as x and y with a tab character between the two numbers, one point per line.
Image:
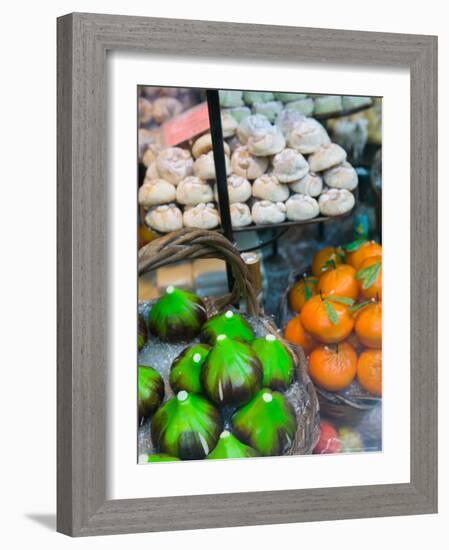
307	136
165	108
151	172
342	176
289	165
228	124
257	97
239	189
240	214
335	202
252	125
165	218
230	98
201	216
204	144
156	191
246	165
268	187
193	190
145	110
204	166
264	212
287	119
174	164
311	184
301	207
326	157
267	142
270	109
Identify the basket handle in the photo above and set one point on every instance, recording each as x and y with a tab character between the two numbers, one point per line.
192	244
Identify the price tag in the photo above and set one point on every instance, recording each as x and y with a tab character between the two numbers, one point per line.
186	125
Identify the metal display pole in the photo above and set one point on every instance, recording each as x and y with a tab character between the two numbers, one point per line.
213	104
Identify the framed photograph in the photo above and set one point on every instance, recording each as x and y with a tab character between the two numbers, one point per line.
247	274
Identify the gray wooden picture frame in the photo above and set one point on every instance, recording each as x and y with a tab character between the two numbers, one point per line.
83	41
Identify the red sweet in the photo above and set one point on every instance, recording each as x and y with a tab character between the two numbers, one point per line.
329	441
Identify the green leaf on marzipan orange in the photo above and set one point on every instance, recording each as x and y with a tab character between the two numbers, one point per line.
342	300
358	307
331	313
368	275
354	245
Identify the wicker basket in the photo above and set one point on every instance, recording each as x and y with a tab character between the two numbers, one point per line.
191	244
349	405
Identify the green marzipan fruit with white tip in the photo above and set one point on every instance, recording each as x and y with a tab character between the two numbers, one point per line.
277	363
142	333
186	369
162	457
177	316
267	423
229	446
231	373
187	426
231	324
151	391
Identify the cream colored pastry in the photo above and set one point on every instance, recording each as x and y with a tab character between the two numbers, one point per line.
201	216
204	144
157	191
268	187
204	166
240	214
239	189
266	142
230	98
252	125
264	212
289	165
246	165
165	108
174	164
327	104
311	184
307	135
149	145
152	172
301	207
287	97
342	176
326	157
304	106
335	202
257	97
286	120
270	109
193	190
145	111
228	124
165	218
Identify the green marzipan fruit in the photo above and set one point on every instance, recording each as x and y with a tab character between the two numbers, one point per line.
231	373
229	446
267	423
277	363
142	333
161	457
177	316
231	324
187	426
186	369
151	391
